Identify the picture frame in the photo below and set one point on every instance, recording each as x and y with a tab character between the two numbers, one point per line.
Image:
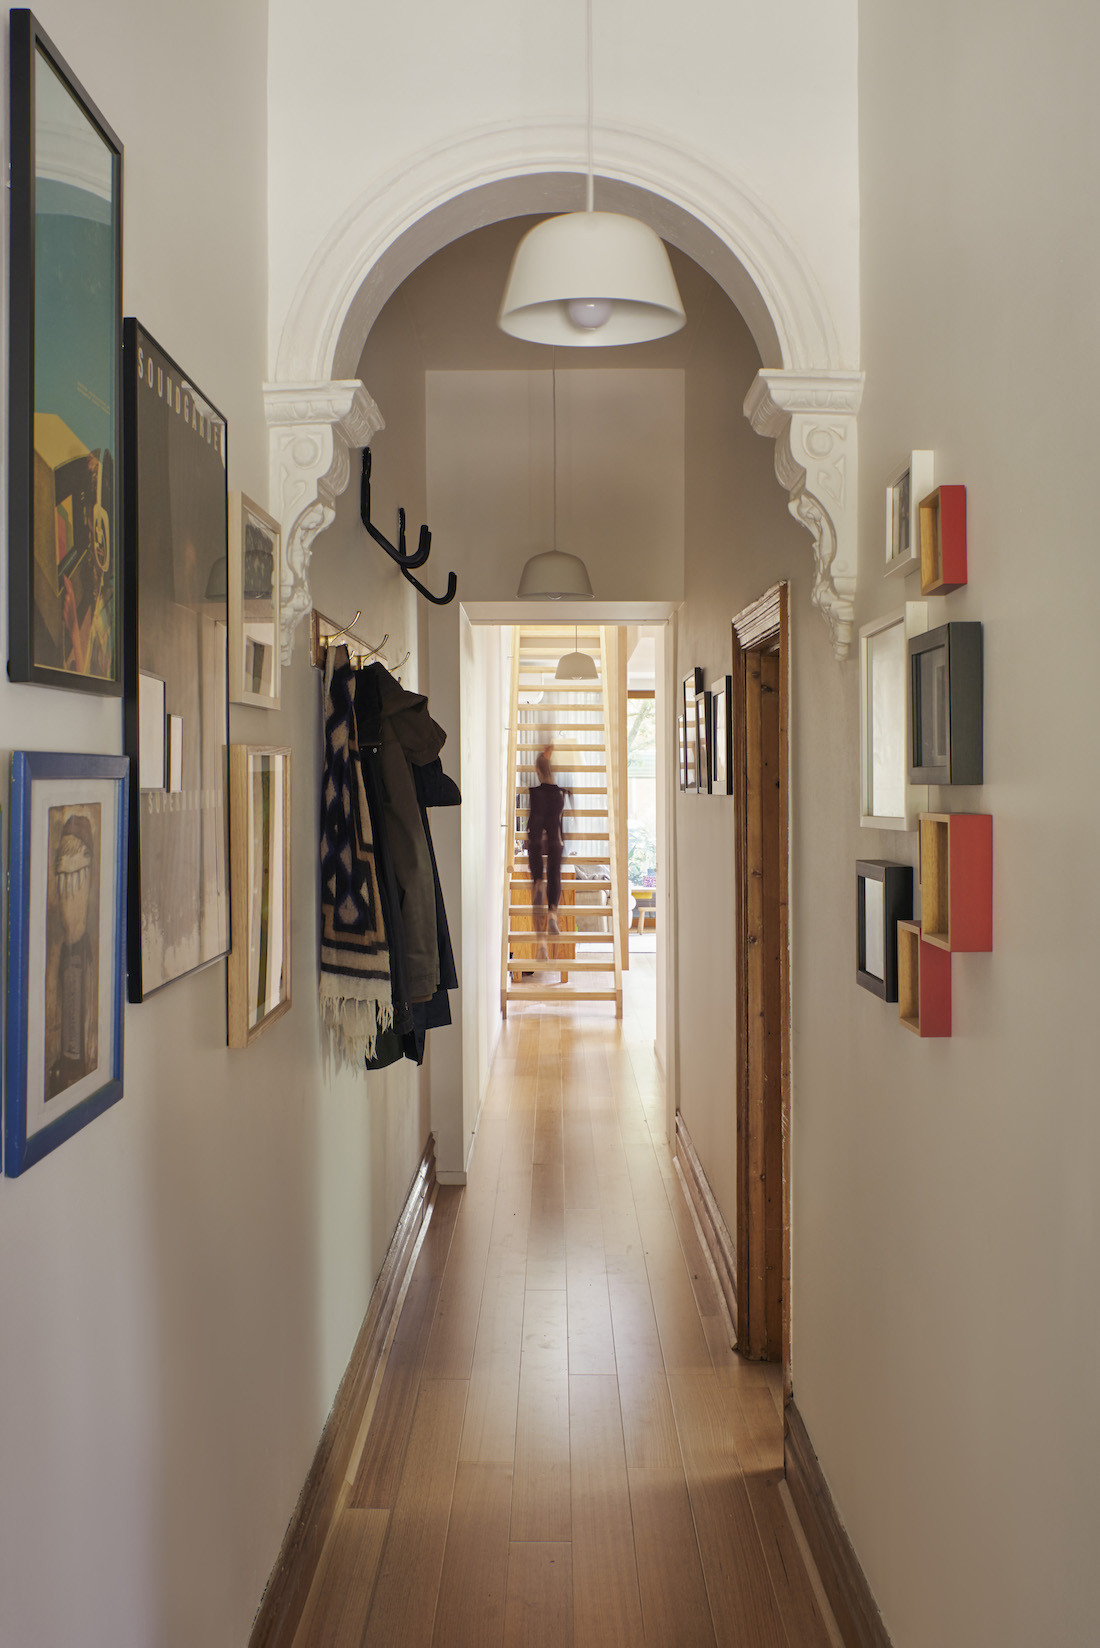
255	597
721	702
703	774
65	538
66	947
945	705
911	481
177	628
692	686
258	982
681	746
884	896
888	800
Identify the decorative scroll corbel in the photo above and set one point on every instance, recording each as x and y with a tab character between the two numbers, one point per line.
811	416
312	428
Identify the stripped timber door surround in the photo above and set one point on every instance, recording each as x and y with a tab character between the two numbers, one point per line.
761	719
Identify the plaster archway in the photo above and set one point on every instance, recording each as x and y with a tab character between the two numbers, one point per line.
805	397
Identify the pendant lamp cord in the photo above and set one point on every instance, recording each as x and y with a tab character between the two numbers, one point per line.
554	459
591	199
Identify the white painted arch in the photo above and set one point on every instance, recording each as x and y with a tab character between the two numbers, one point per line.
500	172
805	397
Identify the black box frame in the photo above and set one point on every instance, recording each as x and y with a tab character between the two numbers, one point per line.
897	905
27	39
961	644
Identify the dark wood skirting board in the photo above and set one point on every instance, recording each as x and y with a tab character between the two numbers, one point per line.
853	1605
714	1228
285	1597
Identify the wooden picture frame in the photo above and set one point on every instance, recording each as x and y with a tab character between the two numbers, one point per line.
258	986
888	800
177	626
884	896
721	700
691	687
65	594
66	947
908	484
945	705
255	597
681	746
703	770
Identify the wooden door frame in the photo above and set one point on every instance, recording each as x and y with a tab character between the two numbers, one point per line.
763	627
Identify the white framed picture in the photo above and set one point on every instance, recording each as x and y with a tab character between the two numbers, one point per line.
910	482
887	799
255	573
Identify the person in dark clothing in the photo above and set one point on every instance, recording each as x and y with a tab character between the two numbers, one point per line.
544	848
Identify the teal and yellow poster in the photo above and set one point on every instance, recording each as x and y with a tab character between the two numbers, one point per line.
76	353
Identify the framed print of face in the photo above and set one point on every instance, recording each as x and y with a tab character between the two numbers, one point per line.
66	956
177	693
65	423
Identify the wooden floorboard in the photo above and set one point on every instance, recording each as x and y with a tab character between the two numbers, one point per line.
565	1451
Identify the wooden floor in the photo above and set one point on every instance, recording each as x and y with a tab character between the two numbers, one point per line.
564	1450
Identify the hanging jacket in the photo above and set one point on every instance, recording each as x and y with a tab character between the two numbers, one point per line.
434	789
409	738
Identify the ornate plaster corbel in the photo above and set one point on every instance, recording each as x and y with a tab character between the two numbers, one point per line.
811	416
312	428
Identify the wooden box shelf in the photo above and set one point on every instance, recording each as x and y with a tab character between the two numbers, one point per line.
956	880
943	540
924	983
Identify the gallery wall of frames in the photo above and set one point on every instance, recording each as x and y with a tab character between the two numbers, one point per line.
133	573
921	726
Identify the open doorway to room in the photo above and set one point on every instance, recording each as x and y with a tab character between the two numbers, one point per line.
581	917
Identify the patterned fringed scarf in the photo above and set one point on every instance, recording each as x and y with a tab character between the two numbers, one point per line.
356	1001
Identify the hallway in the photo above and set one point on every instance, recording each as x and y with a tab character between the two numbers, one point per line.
563	1448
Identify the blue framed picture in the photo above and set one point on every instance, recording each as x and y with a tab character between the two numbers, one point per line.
66	947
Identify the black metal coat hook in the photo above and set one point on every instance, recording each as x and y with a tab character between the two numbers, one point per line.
397	553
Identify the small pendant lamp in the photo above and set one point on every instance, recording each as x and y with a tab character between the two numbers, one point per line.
576	666
554	575
591	279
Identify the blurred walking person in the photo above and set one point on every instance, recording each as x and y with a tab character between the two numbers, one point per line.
545	840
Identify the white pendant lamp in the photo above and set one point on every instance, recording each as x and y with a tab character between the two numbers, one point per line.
554	575
591	279
576	666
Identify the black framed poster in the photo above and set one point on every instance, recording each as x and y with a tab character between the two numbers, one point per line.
65	403
176	668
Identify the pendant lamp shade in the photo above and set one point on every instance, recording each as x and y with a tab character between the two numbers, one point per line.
591	279
576	666
554	576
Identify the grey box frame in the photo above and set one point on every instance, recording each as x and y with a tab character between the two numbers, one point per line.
961	644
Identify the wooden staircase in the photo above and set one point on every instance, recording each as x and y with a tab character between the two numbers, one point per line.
584	962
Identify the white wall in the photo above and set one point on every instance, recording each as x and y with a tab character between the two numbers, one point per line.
763	95
946	1332
184	1279
739	539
